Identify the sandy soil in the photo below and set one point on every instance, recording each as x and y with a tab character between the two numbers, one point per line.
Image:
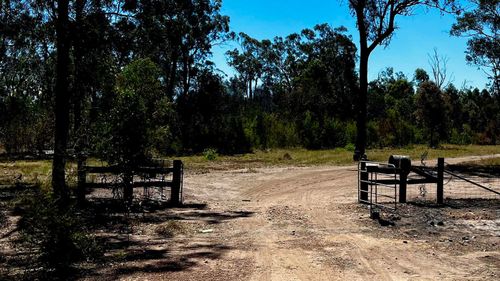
300	223
304	224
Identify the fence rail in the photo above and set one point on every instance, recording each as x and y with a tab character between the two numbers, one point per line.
117	178
377	186
438	184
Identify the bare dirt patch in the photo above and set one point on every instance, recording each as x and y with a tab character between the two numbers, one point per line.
298	223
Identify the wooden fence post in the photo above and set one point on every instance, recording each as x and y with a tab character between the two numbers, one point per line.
128	187
81	180
440	176
402	186
175	191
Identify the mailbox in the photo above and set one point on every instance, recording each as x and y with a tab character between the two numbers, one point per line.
401	162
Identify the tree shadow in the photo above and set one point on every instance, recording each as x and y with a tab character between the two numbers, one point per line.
12	191
127	253
210	217
493	204
458	203
492	171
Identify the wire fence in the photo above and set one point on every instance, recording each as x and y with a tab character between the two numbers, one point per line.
470	186
383	186
460	183
422	193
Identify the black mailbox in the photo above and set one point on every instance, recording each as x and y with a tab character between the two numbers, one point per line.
401	162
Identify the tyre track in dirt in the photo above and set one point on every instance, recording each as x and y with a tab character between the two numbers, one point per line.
310	192
306	225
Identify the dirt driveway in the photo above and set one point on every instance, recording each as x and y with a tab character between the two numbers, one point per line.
303	223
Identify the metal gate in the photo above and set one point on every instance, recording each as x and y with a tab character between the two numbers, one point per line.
377	185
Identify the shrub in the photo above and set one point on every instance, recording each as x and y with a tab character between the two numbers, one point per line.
310	131
280	133
137	123
350	147
58	239
171	228
210	154
465	136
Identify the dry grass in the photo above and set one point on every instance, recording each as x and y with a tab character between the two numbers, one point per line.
25	171
172	228
39	171
339	156
490	162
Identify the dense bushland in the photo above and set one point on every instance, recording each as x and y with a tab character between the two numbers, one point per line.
138	89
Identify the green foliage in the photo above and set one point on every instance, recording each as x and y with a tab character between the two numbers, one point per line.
481	28
310	131
350	147
282	133
15	135
465	136
430	112
210	154
57	238
421	76
143	85
326	132
139	118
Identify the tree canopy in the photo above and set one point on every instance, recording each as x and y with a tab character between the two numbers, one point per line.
127	81
481	25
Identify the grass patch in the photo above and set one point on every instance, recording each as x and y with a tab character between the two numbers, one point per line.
39	171
490	162
338	156
446	151
25	172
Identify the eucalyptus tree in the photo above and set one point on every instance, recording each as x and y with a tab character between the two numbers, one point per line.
481	25
248	62
176	35
27	77
376	23
430	112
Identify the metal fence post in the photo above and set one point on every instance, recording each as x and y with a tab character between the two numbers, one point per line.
363	178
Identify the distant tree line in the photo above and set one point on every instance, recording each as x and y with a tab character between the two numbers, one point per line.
141	83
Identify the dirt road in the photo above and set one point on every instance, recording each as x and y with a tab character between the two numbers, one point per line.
304	224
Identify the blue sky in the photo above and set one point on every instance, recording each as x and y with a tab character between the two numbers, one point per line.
415	38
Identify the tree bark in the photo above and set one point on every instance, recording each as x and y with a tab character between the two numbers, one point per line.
361	106
61	103
79	96
172	79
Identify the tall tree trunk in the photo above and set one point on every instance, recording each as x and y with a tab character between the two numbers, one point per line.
172	79
61	103
78	88
79	93
185	72
361	106
250	93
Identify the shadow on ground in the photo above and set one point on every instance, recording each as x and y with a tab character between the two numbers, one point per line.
492	171
129	237
130	251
